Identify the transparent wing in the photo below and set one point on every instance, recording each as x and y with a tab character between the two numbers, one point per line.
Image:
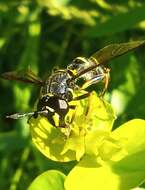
26	76
114	50
108	53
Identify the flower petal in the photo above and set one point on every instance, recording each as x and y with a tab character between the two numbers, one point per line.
123	175
91	120
132	134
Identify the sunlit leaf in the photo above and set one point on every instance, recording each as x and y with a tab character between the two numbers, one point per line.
12	141
49	180
70	12
126	20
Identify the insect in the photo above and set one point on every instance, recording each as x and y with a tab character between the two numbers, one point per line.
57	90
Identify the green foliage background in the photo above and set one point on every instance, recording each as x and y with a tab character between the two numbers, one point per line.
45	34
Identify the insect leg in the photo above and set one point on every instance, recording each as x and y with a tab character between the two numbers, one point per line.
72	107
101	77
82	96
106	81
94	80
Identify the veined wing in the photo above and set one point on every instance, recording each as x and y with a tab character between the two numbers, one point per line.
109	52
26	76
114	50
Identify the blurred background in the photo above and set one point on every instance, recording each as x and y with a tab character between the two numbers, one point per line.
44	34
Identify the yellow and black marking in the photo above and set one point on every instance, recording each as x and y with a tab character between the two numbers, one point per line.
57	90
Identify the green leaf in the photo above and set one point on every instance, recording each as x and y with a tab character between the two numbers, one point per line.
12	141
70	12
138	100
117	23
49	180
